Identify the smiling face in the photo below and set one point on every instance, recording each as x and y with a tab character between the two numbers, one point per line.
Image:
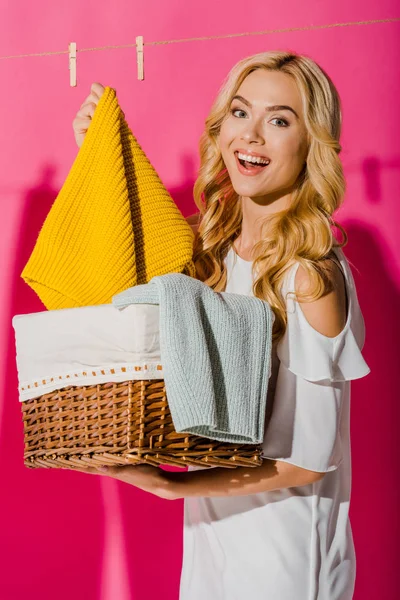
256	126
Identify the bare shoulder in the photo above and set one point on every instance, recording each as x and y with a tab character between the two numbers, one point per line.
193	221
328	314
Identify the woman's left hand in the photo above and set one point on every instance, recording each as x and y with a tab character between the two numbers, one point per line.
146	477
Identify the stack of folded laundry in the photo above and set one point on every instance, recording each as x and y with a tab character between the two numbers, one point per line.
114	239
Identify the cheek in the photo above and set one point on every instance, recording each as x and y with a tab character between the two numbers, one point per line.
229	131
224	142
223	138
292	152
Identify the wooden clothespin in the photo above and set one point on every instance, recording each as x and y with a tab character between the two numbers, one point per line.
139	56
72	64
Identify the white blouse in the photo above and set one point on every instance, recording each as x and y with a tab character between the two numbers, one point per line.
294	543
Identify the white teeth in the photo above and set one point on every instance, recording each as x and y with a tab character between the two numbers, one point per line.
253	159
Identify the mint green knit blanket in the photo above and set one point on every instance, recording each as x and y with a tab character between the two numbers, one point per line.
216	354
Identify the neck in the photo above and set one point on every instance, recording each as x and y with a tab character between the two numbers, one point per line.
255	215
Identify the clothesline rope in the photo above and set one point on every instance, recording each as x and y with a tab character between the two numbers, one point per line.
211	37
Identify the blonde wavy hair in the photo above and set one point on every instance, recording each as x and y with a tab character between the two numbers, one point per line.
303	232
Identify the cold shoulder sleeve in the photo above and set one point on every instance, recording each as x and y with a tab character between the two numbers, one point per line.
312	390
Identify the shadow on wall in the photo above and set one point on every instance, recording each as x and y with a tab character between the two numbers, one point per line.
372	168
54	523
375	414
52	526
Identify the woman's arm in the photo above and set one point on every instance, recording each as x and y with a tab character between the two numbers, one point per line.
328	314
271	475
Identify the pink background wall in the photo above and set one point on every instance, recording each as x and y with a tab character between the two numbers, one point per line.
69	535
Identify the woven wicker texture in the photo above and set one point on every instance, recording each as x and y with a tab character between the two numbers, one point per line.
113	223
118	424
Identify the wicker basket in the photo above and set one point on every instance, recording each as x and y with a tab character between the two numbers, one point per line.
118	423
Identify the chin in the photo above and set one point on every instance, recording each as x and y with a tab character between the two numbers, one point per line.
251	191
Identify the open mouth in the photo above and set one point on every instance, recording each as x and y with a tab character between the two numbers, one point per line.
248	167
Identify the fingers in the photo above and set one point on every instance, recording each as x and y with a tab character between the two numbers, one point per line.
87	108
84	116
97	89
91	470
100	470
96	92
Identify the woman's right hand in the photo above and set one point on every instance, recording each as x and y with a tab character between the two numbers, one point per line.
84	115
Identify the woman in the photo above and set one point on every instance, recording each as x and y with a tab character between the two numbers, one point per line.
270	181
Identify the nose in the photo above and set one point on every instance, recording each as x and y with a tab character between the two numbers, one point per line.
252	131
252	135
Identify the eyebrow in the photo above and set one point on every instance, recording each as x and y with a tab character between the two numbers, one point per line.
268	108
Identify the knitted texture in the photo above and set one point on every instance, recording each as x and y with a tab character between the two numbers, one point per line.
216	355
113	223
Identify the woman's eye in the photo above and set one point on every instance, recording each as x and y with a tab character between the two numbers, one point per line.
237	110
281	120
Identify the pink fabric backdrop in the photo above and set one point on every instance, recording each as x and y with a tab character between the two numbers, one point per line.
69	535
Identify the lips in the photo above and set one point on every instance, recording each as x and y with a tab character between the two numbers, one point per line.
252	153
250	171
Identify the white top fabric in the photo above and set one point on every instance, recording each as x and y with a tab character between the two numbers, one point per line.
294	543
85	346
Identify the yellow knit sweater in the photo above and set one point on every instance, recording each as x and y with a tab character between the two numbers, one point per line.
113	224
